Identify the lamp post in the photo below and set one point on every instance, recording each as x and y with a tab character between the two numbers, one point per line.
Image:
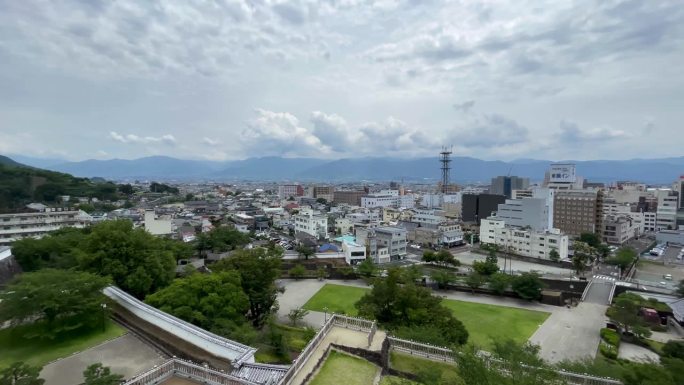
104	309
325	311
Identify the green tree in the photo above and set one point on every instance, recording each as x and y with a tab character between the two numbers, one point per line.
305	251
20	373
527	286
321	273
648	373
623	258
443	278
680	288
412	273
297	272
625	312
56	250
475	280
137	261
554	256
346	271
258	269
221	239
674	349
214	302
590	239
582	256
54	301
321	201
126	189
96	374
296	315
367	268
398	306
499	282
429	256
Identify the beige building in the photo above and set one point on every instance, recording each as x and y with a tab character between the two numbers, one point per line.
36	224
620	228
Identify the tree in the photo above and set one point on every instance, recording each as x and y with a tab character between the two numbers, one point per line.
321	201
474	281
258	269
54	250
446	258
125	189
429	256
625	312
137	261
221	239
412	273
305	251
398	306
680	288
346	271
499	282
590	239
20	373
624	258
367	268
96	374
527	286
489	266
321	273
582	256
54	301
214	302
443	278
554	256
297	272
296	315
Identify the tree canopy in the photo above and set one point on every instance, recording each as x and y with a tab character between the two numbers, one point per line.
96	374
258	269
221	239
527	286
55	301
407	308
214	302
624	258
20	373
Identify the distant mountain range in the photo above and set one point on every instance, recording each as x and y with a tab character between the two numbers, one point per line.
464	169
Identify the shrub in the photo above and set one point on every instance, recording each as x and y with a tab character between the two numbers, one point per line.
610	336
608	351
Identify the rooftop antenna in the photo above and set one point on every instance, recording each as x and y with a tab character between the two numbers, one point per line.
445	159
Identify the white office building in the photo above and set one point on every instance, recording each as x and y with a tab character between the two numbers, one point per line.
666	214
353	252
394	239
311	222
388	198
563	176
36	224
527	212
527	243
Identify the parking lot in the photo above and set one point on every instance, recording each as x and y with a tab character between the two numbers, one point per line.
656	269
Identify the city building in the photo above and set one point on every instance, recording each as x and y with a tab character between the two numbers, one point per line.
290	190
527	212
353	252
474	208
578	211
325	192
394	239
311	222
527	243
620	228
504	185
352	198
563	176
445	234
36	224
666	214
388	198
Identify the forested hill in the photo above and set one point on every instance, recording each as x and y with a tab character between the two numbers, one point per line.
20	184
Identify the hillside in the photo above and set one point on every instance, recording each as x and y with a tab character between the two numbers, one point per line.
20	184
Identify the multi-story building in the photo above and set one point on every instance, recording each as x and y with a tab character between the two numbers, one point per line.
432	201
353	252
504	185
650	221
392	238
388	198
445	234
311	222
325	192
528	243
36	224
477	207
522	193
666	214
527	212
352	198
563	176
620	228
578	211
290	190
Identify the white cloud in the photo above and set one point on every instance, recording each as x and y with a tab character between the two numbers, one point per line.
573	134
132	138
210	142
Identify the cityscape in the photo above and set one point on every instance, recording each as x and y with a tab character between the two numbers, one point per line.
482	193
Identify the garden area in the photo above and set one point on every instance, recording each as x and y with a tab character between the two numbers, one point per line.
438	372
483	322
340	368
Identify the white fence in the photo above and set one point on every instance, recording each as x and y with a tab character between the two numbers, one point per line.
437	353
219	346
179	368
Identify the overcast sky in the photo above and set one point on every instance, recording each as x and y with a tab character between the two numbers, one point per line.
342	78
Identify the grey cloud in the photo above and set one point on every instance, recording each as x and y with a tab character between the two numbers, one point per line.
490	130
573	134
465	106
132	138
291	12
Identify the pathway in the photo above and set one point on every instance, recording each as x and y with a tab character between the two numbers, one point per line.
636	353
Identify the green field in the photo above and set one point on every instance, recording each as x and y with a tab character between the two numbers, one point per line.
337	298
422	367
393	380
14	347
483	322
340	368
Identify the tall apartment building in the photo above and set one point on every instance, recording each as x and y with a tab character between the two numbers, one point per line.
390	238
36	224
620	228
290	190
477	207
528	243
504	185
666	214
352	198
325	192
578	211
388	198
311	222
527	212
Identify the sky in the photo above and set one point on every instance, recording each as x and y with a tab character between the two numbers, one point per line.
232	79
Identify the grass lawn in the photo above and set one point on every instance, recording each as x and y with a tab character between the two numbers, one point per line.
483	322
420	366
39	352
296	339
340	368
337	298
487	322
393	380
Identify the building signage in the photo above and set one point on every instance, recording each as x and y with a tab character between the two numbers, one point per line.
563	173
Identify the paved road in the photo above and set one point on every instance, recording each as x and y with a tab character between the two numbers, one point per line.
599	291
468	258
125	355
570	333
